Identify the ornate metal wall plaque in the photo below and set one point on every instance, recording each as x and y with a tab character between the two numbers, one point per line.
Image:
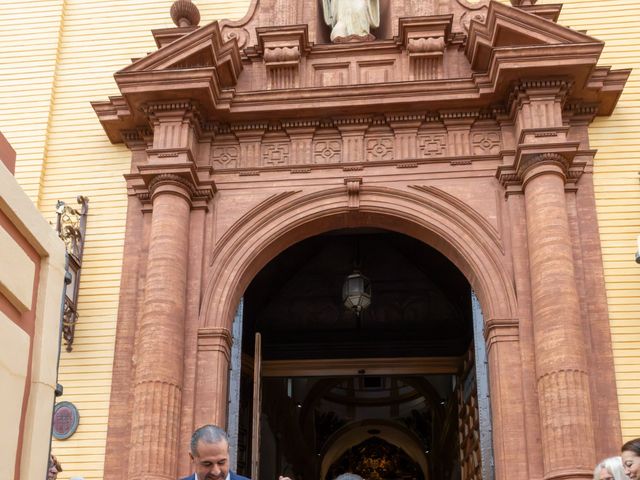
65	420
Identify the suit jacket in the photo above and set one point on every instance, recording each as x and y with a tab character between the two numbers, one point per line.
232	476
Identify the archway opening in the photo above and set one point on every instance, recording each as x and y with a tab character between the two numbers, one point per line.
405	363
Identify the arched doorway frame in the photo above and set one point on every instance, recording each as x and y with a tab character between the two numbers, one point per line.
426	213
432	216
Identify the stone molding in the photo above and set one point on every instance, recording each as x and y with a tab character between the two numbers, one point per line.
254	229
498	330
215	339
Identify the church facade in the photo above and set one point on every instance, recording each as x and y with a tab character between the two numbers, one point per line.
446	159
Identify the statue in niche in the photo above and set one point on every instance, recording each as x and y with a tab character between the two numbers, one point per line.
351	20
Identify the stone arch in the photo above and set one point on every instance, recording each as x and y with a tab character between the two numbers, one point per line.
425	213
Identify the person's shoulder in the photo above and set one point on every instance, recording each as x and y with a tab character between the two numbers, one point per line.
235	476
190	477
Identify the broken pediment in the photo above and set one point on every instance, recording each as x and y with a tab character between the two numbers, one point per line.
196	48
514	28
258	68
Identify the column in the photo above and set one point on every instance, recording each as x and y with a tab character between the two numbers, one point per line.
560	357
212	382
160	342
507	410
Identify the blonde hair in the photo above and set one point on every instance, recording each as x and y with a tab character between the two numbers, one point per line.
613	465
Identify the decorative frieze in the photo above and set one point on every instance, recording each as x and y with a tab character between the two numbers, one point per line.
327	151
353	140
379	149
225	156
485	143
432	145
275	154
250	140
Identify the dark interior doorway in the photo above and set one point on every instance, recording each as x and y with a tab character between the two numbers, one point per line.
409	417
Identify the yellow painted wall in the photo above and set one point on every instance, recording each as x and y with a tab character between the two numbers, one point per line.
617	185
29	35
58	55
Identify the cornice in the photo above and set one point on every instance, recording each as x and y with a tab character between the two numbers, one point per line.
203	67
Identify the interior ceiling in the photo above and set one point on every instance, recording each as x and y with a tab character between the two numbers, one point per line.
420	300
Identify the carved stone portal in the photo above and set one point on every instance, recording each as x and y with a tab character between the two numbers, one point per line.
248	136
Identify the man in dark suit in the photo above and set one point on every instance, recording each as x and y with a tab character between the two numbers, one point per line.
209	452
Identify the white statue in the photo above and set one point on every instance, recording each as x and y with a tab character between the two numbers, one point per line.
351	18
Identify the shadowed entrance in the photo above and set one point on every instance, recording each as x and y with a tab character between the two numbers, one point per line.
388	393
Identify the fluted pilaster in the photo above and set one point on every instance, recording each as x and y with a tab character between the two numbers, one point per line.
561	366
160	341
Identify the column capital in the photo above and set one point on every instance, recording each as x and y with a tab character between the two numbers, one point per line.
534	159
195	184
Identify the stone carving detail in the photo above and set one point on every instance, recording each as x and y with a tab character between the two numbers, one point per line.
433	145
283	77
241	35
282	55
275	154
427	57
486	143
474	11
327	151
426	68
530	161
353	191
225	157
426	45
171	179
282	67
367	138
379	149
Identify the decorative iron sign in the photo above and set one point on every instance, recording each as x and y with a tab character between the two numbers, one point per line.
71	227
65	420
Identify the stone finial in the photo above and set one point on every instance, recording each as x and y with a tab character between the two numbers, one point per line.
185	14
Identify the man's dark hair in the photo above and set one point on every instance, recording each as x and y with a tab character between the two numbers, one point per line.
207	434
